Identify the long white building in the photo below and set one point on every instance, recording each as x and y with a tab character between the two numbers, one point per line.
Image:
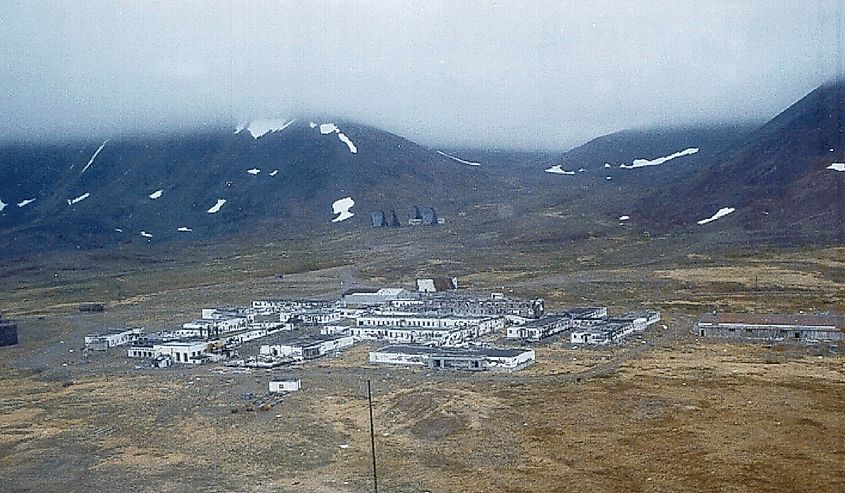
424	329
179	351
308	347
454	358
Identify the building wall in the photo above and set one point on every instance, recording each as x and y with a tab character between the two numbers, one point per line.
284	385
770	332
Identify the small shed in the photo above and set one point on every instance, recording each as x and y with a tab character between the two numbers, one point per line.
285	384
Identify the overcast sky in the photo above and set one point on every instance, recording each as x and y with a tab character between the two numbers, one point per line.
532	74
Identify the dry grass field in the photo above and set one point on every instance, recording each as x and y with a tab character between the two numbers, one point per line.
663	412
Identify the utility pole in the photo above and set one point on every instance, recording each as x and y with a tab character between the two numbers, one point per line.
372	436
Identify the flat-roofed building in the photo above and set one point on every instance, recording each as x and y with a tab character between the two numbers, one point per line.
454	358
543	327
307	347
283	384
179	350
773	327
641	319
601	333
375	297
420	329
111	338
458	304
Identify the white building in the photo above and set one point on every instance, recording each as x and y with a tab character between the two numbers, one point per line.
179	351
601	334
437	284
454	358
280	385
421	329
213	327
540	328
375	298
434	321
640	319
307	347
318	316
111	338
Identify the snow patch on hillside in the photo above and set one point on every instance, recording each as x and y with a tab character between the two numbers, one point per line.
118	230
343	138
2	205
642	163
91	161
462	161
833	166
78	199
25	202
184	229
556	169
331	128
260	127
253	171
145	234
274	172
327	128
624	218
341	207
156	194
724	211
216	207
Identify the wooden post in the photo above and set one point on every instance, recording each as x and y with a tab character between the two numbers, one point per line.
372	437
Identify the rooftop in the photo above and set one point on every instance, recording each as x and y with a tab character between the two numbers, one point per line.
813	320
439	351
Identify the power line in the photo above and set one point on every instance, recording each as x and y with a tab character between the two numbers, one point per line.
372	437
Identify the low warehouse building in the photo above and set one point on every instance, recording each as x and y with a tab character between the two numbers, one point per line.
602	333
454	358
309	347
111	338
773	327
541	328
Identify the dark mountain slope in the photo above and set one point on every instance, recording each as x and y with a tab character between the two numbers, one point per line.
777	178
289	178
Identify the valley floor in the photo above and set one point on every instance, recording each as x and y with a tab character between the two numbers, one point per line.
664	412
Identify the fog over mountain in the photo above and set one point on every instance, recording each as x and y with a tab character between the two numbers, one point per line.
494	74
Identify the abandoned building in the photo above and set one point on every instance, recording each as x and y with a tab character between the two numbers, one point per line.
584	315
307	347
318	316
289	306
602	333
640	319
8	332
111	338
454	303
437	284
282	384
773	327
424	328
178	350
475	359
363	297
543	327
